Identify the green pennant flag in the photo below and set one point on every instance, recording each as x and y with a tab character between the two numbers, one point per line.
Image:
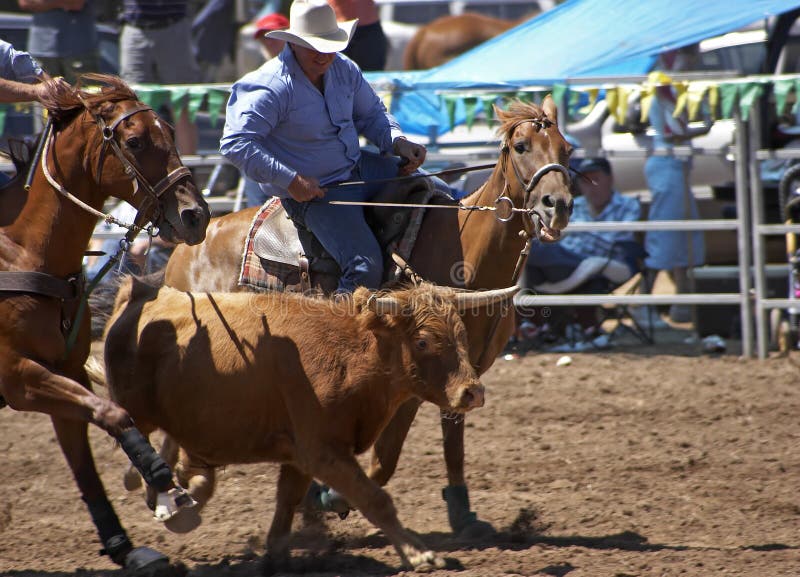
470	107
216	100
560	94
196	96
177	97
488	101
153	95
525	96
796	106
729	95
781	89
450	106
750	93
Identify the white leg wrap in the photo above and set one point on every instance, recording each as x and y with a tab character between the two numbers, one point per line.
168	504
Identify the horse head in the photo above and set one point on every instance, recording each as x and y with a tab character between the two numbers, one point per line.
129	153
534	162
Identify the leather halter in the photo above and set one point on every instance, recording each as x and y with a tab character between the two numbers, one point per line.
527	187
139	180
35	282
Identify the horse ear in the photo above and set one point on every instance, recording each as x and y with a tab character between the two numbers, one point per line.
550	109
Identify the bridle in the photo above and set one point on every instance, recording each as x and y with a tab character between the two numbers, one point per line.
150	208
75	286
527	187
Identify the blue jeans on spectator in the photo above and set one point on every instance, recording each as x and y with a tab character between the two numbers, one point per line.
342	230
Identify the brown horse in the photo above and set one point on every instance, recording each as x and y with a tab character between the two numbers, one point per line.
449	36
472	250
102	144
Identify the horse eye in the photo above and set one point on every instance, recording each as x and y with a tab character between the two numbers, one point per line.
134	143
421	344
519	147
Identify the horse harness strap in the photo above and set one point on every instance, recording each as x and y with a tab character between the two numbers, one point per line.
154	191
41	283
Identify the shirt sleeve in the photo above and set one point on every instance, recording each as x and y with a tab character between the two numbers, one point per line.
370	115
253	111
17	65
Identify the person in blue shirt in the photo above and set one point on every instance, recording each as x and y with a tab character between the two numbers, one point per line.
293	126
23	80
588	262
19	76
597	202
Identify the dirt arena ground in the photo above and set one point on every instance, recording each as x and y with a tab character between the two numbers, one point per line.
643	461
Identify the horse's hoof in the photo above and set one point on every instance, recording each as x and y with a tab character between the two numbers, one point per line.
324	498
184	521
272	564
132	479
2	402
170	503
477	529
146	562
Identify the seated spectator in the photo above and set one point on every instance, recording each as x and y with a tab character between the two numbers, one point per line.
589	262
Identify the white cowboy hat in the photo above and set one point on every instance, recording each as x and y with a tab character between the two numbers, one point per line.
313	24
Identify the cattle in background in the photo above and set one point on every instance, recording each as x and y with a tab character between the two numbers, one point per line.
449	36
306	382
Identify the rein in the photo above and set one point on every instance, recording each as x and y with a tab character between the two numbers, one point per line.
74	286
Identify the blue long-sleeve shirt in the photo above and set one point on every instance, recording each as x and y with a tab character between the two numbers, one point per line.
278	124
17	65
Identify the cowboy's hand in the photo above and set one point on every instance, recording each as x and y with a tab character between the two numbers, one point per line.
413	153
51	88
303	188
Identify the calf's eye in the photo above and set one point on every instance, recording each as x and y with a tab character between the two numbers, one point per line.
421	344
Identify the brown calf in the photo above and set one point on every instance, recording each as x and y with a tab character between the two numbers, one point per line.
306	382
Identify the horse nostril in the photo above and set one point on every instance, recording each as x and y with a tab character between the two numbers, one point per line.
547	200
190	219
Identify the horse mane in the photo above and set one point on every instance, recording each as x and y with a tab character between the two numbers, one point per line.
65	103
516	112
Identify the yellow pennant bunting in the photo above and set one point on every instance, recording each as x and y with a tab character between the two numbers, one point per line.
695	93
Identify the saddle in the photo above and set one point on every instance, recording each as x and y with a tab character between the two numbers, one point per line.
284	256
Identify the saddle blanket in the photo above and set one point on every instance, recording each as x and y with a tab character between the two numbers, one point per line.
272	250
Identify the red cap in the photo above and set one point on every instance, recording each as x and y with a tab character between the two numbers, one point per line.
270	22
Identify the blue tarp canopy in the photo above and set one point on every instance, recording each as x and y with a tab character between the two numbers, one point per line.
579	38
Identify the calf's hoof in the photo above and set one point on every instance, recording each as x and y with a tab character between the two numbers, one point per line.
170	503
426	562
146	562
184	521
2	402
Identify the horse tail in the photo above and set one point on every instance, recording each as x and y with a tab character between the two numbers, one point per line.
96	368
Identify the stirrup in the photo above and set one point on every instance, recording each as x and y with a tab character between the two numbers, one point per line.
169	503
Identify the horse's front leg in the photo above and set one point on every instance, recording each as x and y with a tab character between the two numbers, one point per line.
31	386
462	520
73	438
386	451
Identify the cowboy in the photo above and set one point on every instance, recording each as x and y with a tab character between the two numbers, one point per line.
22	79
293	126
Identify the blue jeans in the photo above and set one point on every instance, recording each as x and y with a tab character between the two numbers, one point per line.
342	230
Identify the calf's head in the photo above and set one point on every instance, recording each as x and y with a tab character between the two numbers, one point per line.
423	326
